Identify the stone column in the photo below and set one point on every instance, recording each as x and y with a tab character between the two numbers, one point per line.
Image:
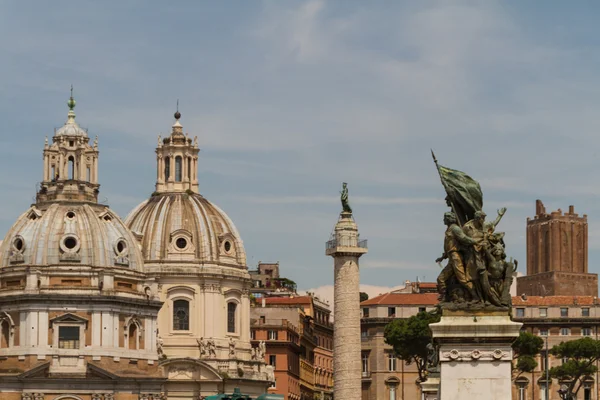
345	249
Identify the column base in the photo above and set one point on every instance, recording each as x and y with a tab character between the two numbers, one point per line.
475	354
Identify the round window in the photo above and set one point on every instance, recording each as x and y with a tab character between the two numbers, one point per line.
70	242
121	246
70	215
19	244
181	243
227	246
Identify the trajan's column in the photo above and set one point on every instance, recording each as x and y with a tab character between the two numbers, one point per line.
346	248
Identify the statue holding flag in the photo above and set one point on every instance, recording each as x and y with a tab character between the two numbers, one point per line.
477	274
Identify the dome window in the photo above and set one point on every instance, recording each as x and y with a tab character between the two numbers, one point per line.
70	244
181	243
19	244
71	215
227	246
121	247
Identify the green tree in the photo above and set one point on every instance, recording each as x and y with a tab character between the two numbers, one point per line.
363	296
525	348
580	355
409	337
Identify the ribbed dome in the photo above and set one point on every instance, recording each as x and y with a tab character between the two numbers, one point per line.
71	128
67	234
186	227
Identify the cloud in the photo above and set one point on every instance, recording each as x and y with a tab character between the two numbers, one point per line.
289	99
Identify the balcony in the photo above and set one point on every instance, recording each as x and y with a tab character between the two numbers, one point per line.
346	242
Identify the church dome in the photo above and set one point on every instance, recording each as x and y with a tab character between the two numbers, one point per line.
66	234
186	227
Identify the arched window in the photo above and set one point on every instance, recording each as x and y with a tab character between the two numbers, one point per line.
178	169
5	334
132	336
71	167
189	168
181	315
167	168
53	173
231	311
88	174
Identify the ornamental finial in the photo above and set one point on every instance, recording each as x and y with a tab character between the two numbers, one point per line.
177	113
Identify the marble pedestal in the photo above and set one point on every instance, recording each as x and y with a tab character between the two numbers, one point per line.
431	387
475	354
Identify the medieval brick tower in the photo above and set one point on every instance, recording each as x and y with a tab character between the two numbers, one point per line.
557	255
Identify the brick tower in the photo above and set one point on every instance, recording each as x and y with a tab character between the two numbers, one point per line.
557	255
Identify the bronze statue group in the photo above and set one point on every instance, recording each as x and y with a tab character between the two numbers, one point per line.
477	274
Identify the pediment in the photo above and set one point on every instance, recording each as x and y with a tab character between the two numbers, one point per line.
94	371
68	317
188	368
40	371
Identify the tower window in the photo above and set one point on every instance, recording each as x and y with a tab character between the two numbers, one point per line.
189	171
71	167
167	167
231	311
53	173
71	143
88	174
178	169
181	315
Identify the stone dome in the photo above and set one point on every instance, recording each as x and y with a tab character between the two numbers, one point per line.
186	227
71	234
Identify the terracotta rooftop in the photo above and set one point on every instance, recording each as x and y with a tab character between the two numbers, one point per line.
428	285
553	300
288	300
398	299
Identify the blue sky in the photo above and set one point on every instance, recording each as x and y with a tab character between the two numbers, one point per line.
289	99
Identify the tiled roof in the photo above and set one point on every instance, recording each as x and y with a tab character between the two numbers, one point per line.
399	299
427	285
553	300
288	300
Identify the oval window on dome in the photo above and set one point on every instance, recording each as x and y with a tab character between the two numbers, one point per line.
70	215
181	243
227	246
121	247
70	244
19	244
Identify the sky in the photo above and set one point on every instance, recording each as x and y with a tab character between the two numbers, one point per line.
291	98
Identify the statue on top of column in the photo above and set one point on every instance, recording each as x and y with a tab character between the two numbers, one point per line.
477	275
344	198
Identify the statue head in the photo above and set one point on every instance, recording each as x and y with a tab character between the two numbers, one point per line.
449	218
479	216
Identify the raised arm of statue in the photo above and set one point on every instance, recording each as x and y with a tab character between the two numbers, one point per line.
501	213
344	198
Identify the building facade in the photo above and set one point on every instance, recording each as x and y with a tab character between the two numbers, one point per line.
306	366
384	376
556	319
557	255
